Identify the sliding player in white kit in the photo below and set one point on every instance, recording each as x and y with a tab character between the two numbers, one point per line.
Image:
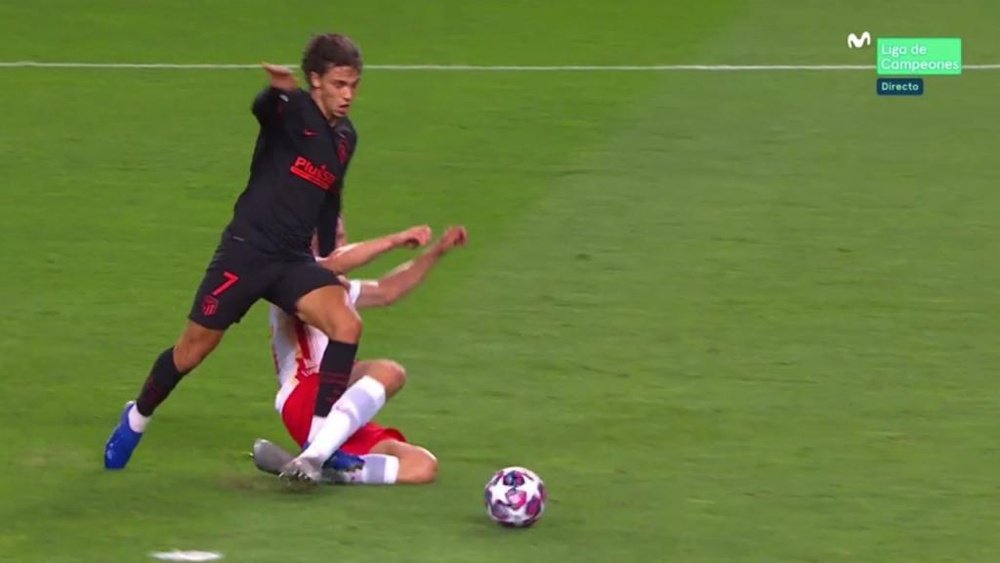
385	455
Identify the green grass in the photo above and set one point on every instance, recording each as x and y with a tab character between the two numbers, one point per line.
726	316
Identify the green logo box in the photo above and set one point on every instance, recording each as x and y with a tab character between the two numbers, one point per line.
916	56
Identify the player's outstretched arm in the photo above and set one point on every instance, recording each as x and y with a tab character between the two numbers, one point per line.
352	256
282	77
396	284
267	104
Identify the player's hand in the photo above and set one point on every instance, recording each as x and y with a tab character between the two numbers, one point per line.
281	77
453	237
414	237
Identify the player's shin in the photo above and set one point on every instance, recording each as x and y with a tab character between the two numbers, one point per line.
357	406
163	377
334	375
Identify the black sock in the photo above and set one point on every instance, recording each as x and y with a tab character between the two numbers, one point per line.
334	374
161	381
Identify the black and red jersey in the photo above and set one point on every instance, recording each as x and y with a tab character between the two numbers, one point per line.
296	176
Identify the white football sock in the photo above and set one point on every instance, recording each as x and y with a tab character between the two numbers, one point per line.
358	405
317	423
379	469
136	421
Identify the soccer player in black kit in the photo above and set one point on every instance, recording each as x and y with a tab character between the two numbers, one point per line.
294	191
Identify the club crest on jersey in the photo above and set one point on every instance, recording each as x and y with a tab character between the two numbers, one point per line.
343	150
209	306
318	176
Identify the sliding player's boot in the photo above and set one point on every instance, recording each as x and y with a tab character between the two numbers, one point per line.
269	457
302	470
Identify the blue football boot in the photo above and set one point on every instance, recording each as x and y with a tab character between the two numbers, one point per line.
343	461
122	442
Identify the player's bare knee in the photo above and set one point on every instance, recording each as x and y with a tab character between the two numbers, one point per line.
349	327
343	326
328	310
425	469
397	376
391	374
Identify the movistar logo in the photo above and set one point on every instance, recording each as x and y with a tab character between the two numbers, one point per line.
855	42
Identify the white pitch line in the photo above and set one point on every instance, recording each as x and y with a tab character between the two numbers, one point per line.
178	555
471	68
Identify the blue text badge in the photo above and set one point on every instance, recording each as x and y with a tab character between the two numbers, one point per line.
899	86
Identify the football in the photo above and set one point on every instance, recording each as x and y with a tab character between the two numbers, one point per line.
515	497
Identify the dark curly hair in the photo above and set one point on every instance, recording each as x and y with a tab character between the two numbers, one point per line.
329	50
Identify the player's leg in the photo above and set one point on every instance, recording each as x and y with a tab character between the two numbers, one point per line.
328	309
417	465
298	407
390	462
193	346
319	299
231	285
372	383
387	458
271	458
